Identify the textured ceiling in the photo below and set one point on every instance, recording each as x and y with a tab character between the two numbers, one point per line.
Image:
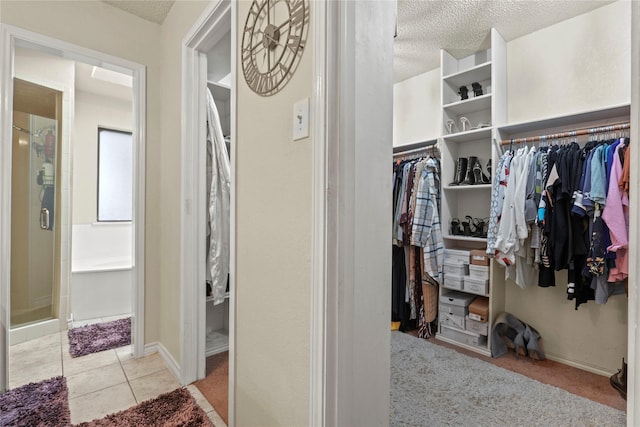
151	10
462	26
425	26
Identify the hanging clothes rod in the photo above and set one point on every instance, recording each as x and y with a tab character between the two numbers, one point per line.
569	134
414	153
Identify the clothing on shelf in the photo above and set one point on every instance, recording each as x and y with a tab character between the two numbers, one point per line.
218	196
418	246
563	207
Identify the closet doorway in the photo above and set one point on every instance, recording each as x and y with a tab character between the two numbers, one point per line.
20	51
527	113
208	292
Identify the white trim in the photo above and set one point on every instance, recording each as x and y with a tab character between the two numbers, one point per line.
633	313
317	384
139	197
158	347
231	414
9	36
193	224
6	117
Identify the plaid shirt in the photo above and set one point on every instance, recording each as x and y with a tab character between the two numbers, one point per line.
427	230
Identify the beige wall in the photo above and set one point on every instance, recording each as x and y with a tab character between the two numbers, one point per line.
273	253
577	65
417	113
96	25
91	111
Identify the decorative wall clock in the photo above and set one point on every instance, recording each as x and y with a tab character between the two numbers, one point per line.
273	41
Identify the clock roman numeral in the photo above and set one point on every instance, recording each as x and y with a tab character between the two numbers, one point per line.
294	43
297	13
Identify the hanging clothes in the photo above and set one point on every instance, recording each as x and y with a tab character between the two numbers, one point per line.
582	217
218	195
418	249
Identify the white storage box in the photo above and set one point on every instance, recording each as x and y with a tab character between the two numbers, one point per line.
452	320
479	271
476	286
451	281
460	255
456	267
454	302
481	328
465	337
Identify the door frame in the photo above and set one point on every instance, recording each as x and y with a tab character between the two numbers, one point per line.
9	36
212	24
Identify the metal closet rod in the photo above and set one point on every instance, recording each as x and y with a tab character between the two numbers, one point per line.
413	153
568	134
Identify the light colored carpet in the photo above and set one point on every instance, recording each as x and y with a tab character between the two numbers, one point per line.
434	386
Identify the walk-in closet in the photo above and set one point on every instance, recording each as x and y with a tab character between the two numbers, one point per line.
515	238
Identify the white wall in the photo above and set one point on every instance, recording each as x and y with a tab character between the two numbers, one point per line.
573	66
576	65
92	111
96	25
417	113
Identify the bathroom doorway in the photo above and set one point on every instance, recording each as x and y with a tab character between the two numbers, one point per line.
36	175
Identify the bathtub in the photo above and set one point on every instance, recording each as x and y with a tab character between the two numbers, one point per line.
101	270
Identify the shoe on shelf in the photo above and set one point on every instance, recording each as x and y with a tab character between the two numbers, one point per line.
469	177
477	89
461	169
463	92
478	175
466	226
466	124
455	228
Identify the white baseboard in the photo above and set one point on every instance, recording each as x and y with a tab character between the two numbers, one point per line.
589	368
158	347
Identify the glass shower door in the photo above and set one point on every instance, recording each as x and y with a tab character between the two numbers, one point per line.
33	211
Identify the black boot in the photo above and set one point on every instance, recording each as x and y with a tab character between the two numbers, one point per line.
470	180
461	168
619	380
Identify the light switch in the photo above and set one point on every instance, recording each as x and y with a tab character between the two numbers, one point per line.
301	119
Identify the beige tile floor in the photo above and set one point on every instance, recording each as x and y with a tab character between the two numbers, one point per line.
99	383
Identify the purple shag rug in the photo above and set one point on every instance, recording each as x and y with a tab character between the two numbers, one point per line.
36	404
174	409
99	337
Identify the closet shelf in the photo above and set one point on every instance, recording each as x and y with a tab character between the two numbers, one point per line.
226	296
217	342
571	120
478	73
469	105
482	349
467	187
465	238
470	135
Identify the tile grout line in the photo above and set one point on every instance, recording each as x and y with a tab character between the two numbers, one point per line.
127	378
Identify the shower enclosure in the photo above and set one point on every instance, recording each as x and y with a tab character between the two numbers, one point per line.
34	197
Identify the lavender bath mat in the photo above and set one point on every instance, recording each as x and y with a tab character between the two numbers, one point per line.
36	404
99	337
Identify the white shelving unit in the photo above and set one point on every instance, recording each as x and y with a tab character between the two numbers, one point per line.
488	68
